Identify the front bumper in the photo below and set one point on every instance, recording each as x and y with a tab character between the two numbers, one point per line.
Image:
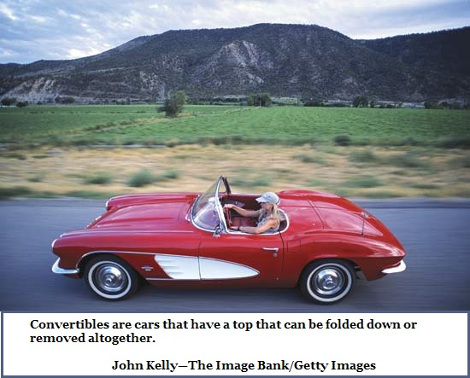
58	270
396	269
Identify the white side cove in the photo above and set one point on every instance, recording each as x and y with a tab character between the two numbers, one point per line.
179	267
202	268
212	269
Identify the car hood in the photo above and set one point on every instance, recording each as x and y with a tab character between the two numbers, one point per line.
146	212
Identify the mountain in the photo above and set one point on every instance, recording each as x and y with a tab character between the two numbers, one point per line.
303	61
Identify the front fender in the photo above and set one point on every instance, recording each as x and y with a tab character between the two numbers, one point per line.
371	256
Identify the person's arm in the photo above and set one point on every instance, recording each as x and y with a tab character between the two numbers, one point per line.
243	212
257	230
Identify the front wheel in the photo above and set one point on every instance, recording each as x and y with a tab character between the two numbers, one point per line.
111	278
327	281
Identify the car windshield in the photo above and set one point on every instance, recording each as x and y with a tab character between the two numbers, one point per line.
206	212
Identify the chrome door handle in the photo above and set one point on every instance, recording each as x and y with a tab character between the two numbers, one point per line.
270	249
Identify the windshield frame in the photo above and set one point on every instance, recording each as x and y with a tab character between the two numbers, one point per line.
207	202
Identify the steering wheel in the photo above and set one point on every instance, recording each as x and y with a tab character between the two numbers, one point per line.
228	216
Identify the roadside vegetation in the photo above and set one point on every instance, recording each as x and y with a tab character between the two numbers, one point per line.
98	151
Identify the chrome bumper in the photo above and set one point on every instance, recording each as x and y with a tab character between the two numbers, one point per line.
396	269
58	270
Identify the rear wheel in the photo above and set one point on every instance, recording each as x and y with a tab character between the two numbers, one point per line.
111	278
327	281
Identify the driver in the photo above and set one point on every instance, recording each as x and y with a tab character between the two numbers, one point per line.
269	216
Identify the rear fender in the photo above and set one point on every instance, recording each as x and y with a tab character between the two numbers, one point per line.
368	256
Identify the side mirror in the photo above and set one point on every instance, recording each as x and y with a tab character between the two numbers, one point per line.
217	232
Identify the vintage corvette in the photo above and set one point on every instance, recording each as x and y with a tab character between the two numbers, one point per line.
324	243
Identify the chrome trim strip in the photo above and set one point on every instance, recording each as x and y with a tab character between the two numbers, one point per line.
102	230
163	279
286	219
396	269
114	253
58	270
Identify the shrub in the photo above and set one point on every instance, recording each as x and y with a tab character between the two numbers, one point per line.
461	162
171	174
65	100
174	105
342	140
141	178
432	105
361	102
305	158
363	156
17	191
363	182
8	101
407	160
98	179
15	155
455	142
259	99
36	178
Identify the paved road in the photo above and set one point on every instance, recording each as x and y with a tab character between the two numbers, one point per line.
435	234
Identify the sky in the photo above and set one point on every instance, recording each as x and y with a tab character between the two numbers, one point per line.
32	30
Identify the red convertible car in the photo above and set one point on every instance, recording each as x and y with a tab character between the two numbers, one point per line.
323	244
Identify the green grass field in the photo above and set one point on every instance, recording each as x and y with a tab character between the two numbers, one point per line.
123	125
371	153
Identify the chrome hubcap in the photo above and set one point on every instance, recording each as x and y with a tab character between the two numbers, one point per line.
110	277
328	281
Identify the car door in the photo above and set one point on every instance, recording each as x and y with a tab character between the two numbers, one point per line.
241	256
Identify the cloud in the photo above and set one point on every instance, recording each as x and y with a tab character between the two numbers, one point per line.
54	29
7	12
407	17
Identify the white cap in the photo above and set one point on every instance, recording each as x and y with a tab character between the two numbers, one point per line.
269	197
